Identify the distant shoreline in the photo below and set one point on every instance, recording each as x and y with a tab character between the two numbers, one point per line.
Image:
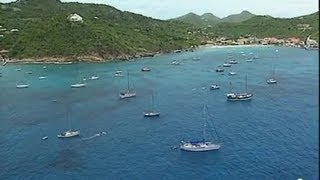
96	59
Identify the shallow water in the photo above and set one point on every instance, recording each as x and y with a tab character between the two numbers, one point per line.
274	136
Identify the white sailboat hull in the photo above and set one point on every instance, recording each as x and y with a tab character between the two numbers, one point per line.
151	114
127	95
20	86
199	146
69	134
79	85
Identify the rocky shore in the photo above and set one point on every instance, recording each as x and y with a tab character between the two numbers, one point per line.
87	58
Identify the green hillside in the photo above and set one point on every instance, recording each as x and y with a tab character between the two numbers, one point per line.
236	18
267	26
106	32
208	19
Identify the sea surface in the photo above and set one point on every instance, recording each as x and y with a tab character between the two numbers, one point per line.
273	136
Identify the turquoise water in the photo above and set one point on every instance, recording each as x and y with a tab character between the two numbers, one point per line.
274	136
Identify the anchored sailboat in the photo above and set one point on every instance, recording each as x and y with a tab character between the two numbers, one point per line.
152	112
128	93
231	96
80	83
70	133
272	80
200	145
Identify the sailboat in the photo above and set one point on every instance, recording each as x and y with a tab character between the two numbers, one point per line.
272	80
42	77
70	133
200	145
152	112
128	93
231	96
94	77
80	84
22	85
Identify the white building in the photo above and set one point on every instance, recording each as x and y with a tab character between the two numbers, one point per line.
75	18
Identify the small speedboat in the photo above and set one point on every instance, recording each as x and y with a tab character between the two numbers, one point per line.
226	64
118	74
44	138
44	67
232	73
69	134
214	87
271	81
233	62
145	69
219	69
94	77
21	86
249	60
175	63
78	85
43	77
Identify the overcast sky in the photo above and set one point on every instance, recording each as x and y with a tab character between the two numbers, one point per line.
165	9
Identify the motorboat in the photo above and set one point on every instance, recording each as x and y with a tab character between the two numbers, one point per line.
226	64
145	69
219	69
94	77
232	73
214	87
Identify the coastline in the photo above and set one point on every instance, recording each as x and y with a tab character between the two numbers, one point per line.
124	57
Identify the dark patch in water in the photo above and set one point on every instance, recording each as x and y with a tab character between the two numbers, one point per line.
67	160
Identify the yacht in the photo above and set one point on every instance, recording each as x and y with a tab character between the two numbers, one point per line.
214	87
231	96
233	61
232	73
226	64
94	77
145	69
202	145
68	134
128	93
21	86
153	112
118	74
219	69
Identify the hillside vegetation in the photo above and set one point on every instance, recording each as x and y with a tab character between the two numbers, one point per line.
106	32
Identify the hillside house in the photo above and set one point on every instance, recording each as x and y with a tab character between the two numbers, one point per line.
14	30
75	18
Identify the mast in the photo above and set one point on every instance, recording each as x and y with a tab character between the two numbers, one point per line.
230	88
152	101
246	84
204	122
128	85
68	117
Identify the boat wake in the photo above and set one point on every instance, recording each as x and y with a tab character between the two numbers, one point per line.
94	136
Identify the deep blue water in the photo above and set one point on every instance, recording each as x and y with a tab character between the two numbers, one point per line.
274	136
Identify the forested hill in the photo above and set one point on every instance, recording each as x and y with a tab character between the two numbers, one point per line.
267	26
106	32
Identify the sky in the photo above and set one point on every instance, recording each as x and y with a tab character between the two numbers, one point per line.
166	9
